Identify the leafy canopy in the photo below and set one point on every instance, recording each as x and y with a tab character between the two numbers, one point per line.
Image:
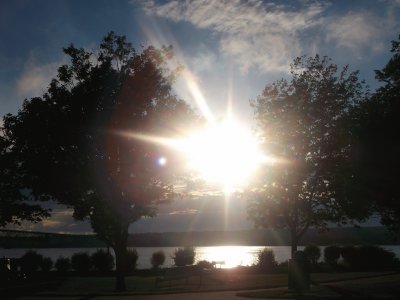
73	143
303	123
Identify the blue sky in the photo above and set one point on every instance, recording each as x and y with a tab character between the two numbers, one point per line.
231	48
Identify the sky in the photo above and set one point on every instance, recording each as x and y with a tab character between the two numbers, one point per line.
231	49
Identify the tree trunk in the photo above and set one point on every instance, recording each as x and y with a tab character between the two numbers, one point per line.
120	261
294	242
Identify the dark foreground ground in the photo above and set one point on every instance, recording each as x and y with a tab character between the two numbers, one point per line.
384	286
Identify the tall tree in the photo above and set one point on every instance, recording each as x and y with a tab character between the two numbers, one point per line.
377	156
303	123
75	146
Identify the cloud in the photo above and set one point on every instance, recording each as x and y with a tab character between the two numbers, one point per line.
35	78
359	31
259	35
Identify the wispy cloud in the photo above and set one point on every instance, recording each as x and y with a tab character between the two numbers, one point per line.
35	78
259	35
359	31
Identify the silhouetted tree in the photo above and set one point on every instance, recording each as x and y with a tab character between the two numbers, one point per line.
132	258
266	261
81	262
304	125
30	262
62	264
184	256
47	264
74	144
157	259
313	254
376	158
332	255
15	205
102	261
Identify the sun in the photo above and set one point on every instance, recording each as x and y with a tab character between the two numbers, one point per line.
225	153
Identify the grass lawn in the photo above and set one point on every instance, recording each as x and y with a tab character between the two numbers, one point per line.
214	281
362	285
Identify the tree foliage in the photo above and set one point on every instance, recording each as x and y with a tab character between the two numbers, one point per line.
184	256
266	261
102	261
304	126
75	144
15	205
313	254
157	259
62	264
31	262
376	158
81	262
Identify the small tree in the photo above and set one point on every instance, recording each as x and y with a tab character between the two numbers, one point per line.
102	261
47	264
81	262
266	261
332	255
63	264
131	259
30	262
157	259
184	256
313	253
350	256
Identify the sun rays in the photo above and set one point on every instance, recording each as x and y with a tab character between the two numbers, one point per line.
223	152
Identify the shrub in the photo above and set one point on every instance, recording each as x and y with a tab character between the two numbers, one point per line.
102	261
205	264
313	253
332	255
47	264
373	258
62	264
350	257
157	259
81	262
369	258
266	260
184	256
131	259
30	262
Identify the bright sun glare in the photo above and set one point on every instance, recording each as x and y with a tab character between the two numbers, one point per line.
225	153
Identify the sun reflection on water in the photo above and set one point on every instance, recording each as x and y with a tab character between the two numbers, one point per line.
227	256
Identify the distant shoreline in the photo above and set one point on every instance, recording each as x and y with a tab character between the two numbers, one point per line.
252	237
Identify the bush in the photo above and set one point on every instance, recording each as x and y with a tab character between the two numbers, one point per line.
313	254
332	255
81	262
131	260
30	262
373	258
205	264
157	259
266	260
62	264
350	257
102	261
369	258
47	264
184	256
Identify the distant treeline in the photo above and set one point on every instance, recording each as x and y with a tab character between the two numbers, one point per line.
256	237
